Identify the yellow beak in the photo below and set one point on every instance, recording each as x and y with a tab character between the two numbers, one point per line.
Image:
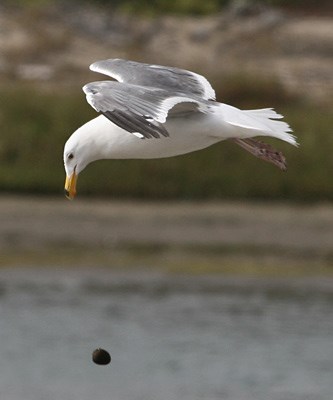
70	186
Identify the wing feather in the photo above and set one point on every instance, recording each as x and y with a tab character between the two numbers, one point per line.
158	76
137	109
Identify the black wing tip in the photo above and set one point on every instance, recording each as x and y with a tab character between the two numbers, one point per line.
136	124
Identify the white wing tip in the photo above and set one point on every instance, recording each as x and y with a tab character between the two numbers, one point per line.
105	67
138	134
93	66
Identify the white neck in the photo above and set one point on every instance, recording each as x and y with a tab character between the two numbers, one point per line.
107	139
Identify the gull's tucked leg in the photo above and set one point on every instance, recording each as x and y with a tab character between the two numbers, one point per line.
264	151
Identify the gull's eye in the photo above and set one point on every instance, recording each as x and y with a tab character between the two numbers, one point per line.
70	156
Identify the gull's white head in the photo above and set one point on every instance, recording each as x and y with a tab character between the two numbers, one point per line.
79	151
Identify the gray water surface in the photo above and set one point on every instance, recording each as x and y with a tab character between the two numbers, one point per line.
170	337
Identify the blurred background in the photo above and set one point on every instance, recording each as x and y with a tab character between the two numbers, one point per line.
206	276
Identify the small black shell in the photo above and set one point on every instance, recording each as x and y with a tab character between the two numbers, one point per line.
101	357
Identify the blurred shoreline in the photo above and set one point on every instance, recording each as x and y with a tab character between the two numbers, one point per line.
292	47
211	237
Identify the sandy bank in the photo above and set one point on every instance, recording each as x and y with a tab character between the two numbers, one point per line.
37	223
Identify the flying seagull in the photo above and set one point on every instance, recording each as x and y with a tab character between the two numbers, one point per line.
152	111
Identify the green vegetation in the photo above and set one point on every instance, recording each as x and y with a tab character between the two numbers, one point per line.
35	123
173	261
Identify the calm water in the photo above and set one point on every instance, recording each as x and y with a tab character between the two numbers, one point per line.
170	337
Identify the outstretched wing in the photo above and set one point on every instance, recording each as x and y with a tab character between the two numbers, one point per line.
157	76
141	110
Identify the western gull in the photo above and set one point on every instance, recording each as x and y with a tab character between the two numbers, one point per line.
153	111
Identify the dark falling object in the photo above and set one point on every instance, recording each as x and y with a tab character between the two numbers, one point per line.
101	357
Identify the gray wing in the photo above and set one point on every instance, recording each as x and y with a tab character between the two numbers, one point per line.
169	78
139	109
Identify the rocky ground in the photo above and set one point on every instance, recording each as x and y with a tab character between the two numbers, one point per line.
57	44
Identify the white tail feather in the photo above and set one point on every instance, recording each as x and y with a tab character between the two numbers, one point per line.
261	122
